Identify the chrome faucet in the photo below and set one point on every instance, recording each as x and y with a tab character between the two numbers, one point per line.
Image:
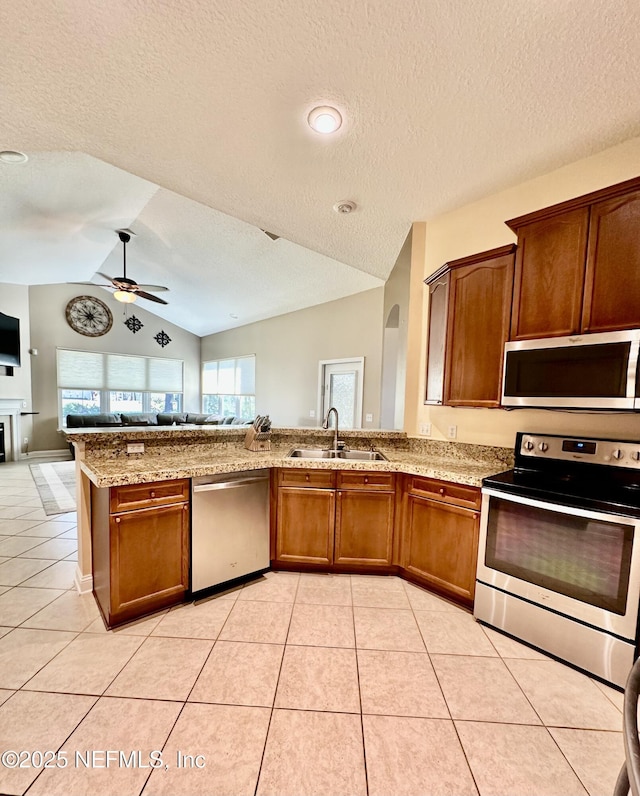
325	424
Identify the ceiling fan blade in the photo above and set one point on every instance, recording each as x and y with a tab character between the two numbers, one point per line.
153	288
105	276
93	284
150	296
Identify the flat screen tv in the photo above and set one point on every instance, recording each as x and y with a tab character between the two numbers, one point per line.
9	341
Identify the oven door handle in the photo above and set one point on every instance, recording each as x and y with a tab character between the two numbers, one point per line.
560	508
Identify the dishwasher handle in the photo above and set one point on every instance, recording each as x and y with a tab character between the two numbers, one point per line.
228	484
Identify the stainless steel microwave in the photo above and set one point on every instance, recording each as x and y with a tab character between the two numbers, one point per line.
588	371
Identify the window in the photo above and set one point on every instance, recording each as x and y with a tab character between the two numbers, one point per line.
91	382
228	387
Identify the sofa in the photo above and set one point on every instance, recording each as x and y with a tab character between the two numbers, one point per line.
137	419
121	419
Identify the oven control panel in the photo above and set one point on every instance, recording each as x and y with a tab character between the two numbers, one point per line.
615	453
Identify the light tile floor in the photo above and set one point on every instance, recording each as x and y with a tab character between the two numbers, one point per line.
293	684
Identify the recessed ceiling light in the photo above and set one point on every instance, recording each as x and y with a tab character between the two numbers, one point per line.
324	119
12	156
345	206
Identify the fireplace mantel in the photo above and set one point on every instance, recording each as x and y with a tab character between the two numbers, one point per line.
12	407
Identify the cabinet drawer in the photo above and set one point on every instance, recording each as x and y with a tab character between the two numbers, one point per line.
313	478
457	494
357	479
159	493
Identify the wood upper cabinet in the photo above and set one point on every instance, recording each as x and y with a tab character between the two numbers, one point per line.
469	336
549	277
578	265
440	545
612	284
140	548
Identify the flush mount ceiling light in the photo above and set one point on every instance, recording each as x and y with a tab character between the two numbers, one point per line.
325	119
12	156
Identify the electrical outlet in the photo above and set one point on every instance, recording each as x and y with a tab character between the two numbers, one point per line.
368	418
26	440
312	412
425	429
452	432
135	447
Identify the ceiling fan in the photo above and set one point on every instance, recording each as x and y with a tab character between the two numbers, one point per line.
128	290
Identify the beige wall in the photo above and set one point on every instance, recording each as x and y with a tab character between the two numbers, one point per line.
49	330
394	371
289	347
480	226
14	300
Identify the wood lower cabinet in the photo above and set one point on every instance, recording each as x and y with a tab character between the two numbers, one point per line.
365	512
140	548
335	520
441	530
305	525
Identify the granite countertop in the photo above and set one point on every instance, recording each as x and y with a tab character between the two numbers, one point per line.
445	461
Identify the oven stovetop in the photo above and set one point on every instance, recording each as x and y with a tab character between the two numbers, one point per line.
587	486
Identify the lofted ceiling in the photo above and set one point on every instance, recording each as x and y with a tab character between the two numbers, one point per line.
185	122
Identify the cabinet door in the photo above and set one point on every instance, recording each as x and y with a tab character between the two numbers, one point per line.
149	558
364	528
441	546
612	290
477	329
305	522
549	277
438	303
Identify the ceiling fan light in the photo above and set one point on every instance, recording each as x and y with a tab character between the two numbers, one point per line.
124	296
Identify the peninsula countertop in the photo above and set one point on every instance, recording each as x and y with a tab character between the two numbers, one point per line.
187	453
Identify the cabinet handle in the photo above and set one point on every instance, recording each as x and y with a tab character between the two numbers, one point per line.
185	507
366	479
153	494
306	478
117	519
441	490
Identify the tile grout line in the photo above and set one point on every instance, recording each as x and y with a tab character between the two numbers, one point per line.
355	644
275	692
453	724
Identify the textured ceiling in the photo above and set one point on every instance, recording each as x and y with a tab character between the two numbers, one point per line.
443	101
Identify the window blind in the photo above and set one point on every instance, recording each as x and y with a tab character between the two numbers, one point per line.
93	370
235	376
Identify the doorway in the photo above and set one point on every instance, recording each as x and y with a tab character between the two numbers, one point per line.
341	385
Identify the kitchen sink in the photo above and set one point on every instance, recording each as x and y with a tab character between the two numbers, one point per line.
311	453
320	453
363	456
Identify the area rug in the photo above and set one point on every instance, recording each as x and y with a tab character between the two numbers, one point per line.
56	483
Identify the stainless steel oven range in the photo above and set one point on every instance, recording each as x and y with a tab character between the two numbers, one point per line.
559	554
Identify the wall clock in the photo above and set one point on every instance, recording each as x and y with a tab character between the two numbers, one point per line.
89	316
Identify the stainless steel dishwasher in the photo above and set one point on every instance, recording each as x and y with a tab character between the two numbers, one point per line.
229	527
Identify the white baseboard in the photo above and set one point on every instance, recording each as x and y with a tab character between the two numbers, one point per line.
84	583
60	455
